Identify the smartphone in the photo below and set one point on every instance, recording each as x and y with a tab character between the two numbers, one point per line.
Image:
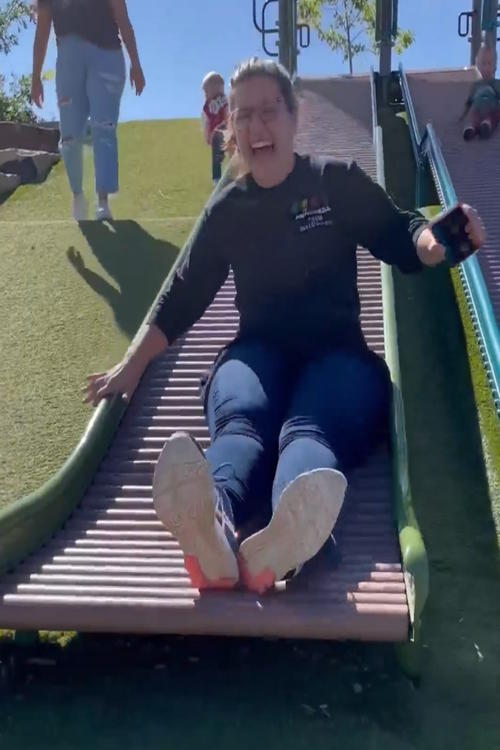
449	229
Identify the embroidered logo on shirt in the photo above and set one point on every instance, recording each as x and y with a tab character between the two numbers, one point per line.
310	213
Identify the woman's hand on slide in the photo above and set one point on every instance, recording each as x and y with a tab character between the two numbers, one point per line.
137	79
123	379
37	91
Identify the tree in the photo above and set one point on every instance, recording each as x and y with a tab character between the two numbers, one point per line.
14	16
14	95
15	100
351	27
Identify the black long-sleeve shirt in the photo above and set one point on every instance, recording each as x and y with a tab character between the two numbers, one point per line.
292	249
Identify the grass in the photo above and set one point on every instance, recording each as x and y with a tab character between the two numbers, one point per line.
154	693
455	502
170	178
489	423
488	418
72	298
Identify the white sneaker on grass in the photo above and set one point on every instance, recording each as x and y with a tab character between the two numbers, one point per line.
196	512
302	522
103	211
80	207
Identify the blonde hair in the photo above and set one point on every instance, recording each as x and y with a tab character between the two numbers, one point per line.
212	77
250	69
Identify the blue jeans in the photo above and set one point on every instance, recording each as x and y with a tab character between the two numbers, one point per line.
89	83
273	415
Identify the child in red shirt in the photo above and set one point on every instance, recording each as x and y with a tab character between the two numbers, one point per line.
214	116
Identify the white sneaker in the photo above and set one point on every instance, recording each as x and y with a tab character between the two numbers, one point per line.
302	521
186	502
80	207
103	212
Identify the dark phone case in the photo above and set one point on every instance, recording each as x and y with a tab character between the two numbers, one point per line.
449	230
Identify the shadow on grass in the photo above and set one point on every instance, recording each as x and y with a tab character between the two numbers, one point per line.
194	693
4	197
136	260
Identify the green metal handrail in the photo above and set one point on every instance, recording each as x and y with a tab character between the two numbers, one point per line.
470	272
412	115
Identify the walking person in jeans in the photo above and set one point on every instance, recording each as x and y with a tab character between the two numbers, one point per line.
298	397
90	77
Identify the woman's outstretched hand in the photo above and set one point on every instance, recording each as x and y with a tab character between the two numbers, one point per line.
124	377
121	379
431	252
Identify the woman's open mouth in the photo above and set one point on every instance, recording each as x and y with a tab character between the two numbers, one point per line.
262	148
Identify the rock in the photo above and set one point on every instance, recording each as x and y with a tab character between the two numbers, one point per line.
31	166
32	137
24	168
7	154
8	182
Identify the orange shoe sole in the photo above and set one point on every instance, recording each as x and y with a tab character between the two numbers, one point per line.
259	583
199	579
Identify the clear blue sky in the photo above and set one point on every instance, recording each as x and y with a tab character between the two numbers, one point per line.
180	40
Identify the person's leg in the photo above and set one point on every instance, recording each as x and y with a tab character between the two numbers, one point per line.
105	85
217	155
473	125
245	403
469	132
487	124
71	74
338	412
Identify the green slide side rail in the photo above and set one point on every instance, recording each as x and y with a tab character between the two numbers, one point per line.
426	148
413	553
32	521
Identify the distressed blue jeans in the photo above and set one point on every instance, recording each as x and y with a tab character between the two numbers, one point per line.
89	83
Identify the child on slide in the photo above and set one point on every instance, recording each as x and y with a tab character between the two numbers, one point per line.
483	102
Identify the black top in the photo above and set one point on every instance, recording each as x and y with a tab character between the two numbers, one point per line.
292	249
90	19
